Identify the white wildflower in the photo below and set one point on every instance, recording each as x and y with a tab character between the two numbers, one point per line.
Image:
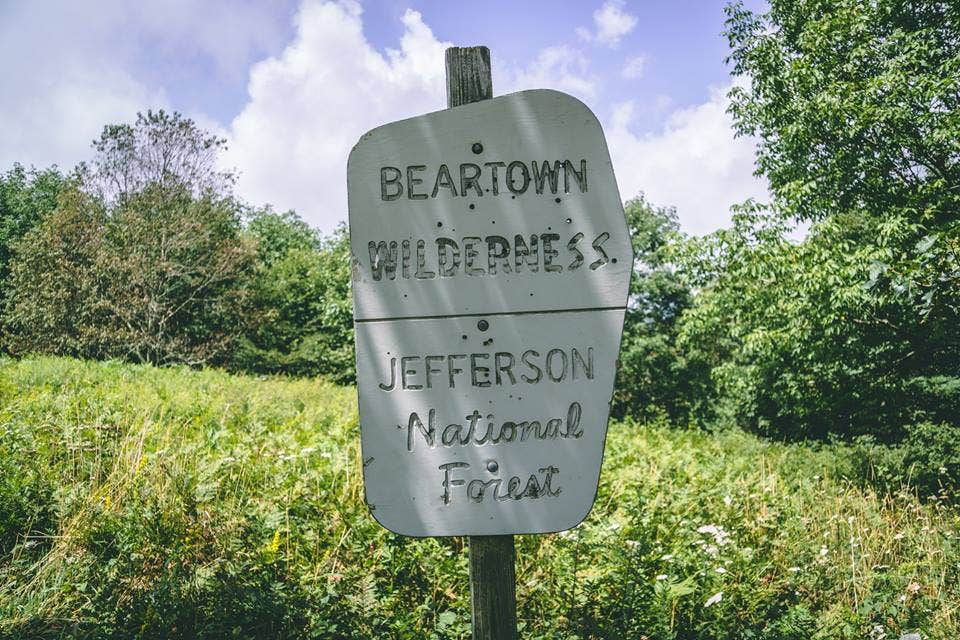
727	500
669	556
720	536
823	550
714	599
899	536
794	569
720	570
661	576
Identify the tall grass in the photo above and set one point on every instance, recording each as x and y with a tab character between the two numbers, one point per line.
144	502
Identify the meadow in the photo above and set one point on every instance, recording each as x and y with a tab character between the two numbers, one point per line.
143	502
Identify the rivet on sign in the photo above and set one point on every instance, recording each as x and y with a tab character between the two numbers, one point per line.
477	147
483	325
492	466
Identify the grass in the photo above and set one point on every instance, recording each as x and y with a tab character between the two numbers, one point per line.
138	502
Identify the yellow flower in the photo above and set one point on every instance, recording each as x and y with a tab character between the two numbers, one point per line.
274	545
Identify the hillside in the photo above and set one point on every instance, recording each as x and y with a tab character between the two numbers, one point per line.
146	502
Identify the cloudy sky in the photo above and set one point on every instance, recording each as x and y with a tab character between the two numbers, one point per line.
292	84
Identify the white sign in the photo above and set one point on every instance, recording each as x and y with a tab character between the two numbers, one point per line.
491	263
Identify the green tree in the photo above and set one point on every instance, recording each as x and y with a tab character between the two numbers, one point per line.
25	197
653	374
301	293
143	259
853	330
54	292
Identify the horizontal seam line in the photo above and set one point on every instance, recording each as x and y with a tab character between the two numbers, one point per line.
495	313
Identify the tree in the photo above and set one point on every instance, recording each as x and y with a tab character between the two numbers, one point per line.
175	272
53	300
143	258
852	331
653	374
301	292
159	149
25	198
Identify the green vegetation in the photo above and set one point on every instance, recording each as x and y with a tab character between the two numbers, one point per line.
152	503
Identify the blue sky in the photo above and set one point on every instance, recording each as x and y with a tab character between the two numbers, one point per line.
293	83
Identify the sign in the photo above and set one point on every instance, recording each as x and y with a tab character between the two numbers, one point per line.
490	265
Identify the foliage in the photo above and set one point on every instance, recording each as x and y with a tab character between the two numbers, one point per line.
301	290
142	258
159	278
853	330
231	506
25	197
50	307
159	149
654	375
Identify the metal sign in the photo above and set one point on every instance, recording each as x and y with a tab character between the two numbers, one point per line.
491	263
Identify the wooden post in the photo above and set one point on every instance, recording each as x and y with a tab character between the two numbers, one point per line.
493	580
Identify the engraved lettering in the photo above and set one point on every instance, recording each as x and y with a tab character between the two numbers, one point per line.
413	182
581	177
422	272
383	258
549	253
597	246
448	257
524	174
572	248
471	180
547	173
524	255
498	249
495	175
405	371
390	177
470	255
443	181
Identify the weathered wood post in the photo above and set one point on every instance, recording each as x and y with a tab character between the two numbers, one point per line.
493	590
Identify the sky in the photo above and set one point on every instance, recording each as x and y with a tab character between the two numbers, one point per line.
293	84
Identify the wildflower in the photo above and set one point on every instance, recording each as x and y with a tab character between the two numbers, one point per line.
913	587
669	556
661	576
899	536
794	569
727	500
720	570
714	599
631	543
720	536
823	550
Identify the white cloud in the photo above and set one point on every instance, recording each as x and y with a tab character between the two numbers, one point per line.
611	22
634	67
559	67
309	106
694	162
70	68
